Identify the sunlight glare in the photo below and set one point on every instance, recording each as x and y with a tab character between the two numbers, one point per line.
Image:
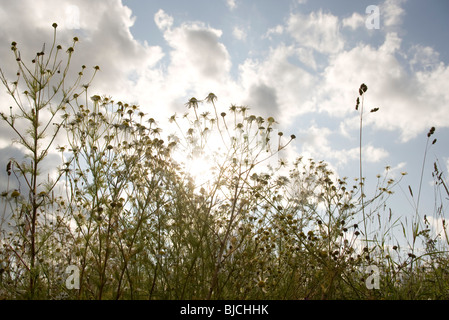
200	168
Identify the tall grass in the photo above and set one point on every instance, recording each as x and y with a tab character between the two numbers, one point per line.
125	209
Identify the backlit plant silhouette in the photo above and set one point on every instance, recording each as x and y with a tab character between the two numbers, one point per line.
203	209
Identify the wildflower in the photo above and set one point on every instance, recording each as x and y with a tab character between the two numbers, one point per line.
172	118
262	283
211	98
95	98
15	194
251	118
193	103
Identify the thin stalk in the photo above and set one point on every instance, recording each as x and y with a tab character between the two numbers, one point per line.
362	195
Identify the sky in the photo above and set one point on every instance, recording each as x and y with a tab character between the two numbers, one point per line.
300	61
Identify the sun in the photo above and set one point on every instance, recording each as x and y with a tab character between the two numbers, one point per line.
201	168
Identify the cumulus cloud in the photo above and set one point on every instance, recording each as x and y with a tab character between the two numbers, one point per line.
355	21
280	84
163	20
316	143
197	57
264	98
103	29
410	102
424	58
318	30
289	83
307	57
392	12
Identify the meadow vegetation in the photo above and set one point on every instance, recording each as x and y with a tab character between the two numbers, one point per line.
123	207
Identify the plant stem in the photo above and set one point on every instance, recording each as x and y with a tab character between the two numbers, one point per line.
361	170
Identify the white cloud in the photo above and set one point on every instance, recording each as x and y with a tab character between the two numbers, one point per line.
397	171
306	56
198	63
408	102
279	29
104	36
372	154
163	20
424	58
355	21
319	31
239	33
392	12
276	87
315	142
438	228
197	56
231	4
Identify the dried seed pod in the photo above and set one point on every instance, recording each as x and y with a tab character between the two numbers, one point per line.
8	168
363	89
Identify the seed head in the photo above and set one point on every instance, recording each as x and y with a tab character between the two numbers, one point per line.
431	132
363	89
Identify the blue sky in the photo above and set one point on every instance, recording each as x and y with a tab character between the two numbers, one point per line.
301	61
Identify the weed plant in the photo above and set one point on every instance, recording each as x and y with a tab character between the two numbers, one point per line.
124	208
